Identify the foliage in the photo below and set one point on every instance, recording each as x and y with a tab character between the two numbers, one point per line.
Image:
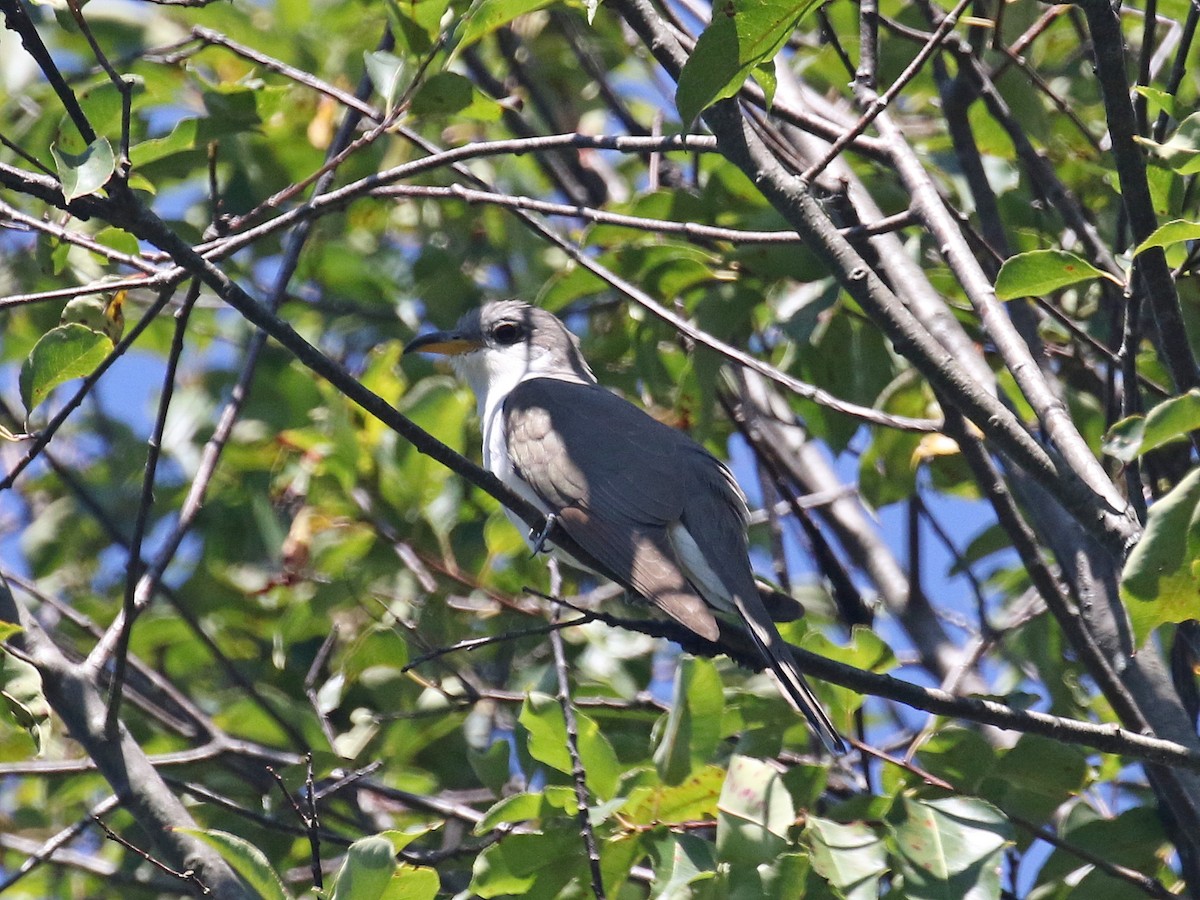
333	659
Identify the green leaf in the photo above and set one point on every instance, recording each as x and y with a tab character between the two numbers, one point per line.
764	76
84	173
517	808
368	870
741	35
542	717
118	239
1169	421
413	883
960	756
694	722
385	71
1124	440
246	859
681	860
416	24
851	857
1161	578
180	139
1174	232
948	848
485	16
401	839
519	862
1133	838
1182	152
448	93
1043	271
66	352
1166	102
755	812
692	800
22	702
1036	777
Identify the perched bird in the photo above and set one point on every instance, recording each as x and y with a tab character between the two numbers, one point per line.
647	502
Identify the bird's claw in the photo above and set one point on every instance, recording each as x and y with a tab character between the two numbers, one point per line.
539	540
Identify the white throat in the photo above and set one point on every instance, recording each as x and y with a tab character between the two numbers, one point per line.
493	373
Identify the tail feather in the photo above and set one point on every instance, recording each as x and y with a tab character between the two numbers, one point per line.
795	689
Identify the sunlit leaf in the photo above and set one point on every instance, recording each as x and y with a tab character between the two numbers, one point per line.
756	812
386	71
246	859
1166	102
1171	420
63	353
485	16
180	139
22	703
1161	578
694	722
412	883
948	848
1175	232
850	856
693	800
367	870
1181	152
741	35
1042	272
85	173
543	718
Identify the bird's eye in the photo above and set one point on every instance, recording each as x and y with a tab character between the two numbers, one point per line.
507	333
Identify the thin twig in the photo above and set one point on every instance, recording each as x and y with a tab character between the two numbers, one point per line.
880	103
187	875
578	772
134	565
47	850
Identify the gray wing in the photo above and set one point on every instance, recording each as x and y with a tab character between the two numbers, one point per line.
618	479
613	476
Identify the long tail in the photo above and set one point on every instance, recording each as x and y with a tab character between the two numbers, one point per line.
795	689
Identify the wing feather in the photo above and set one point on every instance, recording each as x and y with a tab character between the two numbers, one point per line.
615	494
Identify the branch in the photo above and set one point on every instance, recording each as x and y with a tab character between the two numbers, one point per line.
578	773
1093	503
1109	49
77	701
1108	738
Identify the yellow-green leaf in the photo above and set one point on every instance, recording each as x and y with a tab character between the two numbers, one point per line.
1043	271
367	871
1169	421
1182	152
743	35
66	352
543	718
1161	578
486	16
1175	232
246	859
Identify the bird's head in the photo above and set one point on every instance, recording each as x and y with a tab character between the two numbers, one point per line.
502	343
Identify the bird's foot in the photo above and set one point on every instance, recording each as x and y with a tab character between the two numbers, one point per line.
539	540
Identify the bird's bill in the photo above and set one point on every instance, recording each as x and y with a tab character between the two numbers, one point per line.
447	343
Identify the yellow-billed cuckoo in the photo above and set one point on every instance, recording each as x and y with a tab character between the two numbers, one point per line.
645	500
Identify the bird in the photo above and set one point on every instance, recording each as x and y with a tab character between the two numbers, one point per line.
643	499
